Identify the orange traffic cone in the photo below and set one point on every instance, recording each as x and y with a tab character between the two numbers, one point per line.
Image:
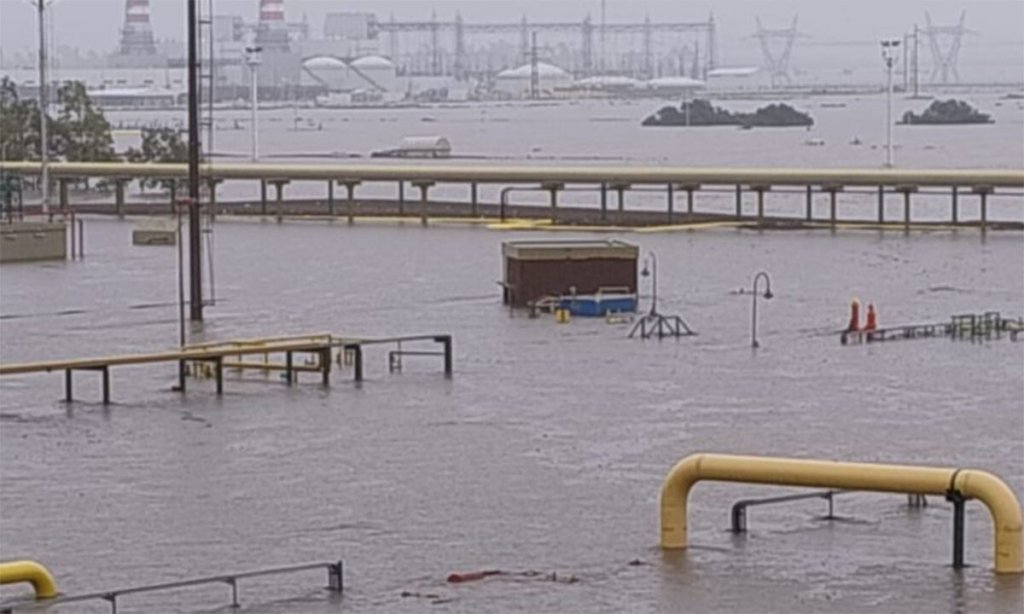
872	322
854	325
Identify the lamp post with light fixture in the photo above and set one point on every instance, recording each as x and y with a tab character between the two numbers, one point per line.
889	54
768	296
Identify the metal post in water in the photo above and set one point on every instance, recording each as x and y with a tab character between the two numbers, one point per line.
106	384
473	199
604	201
330	198
739	201
881	204
810	203
401	198
956	212
194	230
44	108
958	502
263	196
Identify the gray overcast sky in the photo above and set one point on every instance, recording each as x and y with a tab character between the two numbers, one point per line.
94	24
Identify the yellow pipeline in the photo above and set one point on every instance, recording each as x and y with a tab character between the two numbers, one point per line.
456	173
989	489
29	571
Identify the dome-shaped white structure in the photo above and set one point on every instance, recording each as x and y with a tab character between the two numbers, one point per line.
325	70
373	62
324	61
675	84
608	82
375	72
516	81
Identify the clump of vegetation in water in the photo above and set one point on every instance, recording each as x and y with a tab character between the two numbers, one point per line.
702	113
947	112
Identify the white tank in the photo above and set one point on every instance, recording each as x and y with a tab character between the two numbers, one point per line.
326	70
375	72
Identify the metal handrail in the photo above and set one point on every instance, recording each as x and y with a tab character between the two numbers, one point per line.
738	513
335	583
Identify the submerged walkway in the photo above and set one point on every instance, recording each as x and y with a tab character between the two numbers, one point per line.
213	358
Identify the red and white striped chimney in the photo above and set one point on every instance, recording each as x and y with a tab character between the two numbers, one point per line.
136	12
272	31
272	11
137	35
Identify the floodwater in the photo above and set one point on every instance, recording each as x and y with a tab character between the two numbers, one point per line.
542	457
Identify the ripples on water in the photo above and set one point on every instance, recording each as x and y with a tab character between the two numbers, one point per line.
546	451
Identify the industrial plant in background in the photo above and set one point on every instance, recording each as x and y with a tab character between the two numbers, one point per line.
357	58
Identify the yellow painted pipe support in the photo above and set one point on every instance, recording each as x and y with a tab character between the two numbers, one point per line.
29	571
992	491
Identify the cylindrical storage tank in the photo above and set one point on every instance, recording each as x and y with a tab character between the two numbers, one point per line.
327	70
516	81
375	72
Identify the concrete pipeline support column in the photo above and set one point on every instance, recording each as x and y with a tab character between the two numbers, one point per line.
553	189
350	195
983	192
993	492
32	572
424	187
906	190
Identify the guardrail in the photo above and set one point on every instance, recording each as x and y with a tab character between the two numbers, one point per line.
335	583
738	513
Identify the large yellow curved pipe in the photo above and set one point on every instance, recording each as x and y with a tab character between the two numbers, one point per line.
1006	515
992	491
29	571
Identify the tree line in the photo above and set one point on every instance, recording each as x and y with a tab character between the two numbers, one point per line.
78	131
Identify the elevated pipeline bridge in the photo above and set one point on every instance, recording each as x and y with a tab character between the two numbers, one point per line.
603	181
263	355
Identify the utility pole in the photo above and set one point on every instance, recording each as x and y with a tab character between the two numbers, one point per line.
534	69
889	51
44	107
253	59
916	67
194	230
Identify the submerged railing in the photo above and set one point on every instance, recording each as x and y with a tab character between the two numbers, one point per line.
335	584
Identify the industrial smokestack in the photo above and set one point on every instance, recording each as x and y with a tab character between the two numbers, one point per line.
137	35
272	32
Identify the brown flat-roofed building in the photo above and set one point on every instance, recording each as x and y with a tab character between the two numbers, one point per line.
537	269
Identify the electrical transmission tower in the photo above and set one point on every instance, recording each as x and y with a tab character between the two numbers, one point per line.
777	64
944	62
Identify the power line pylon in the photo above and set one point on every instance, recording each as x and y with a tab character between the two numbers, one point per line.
778	65
944	62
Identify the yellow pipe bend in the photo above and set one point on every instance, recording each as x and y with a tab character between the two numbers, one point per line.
996	495
29	571
1006	515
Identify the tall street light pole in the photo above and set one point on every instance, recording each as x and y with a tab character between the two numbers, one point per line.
889	53
194	230
253	61
44	141
653	272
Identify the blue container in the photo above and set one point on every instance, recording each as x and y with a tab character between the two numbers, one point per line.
598	305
